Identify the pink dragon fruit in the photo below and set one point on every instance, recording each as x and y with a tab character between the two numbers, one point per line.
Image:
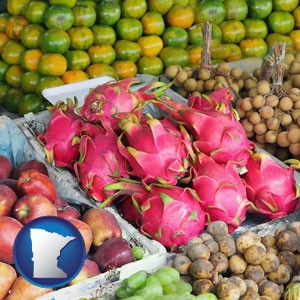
62	136
171	215
271	186
221	191
155	150
116	100
100	162
217	134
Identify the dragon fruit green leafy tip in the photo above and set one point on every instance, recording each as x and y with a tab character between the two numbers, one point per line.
156	150
221	191
271	187
62	136
100	162
115	100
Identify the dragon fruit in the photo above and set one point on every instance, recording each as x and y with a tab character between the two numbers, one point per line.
221	191
271	186
100	162
217	134
62	136
116	100
171	215
155	150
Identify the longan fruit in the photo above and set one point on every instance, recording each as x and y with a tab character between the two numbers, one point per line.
294	94
254	117
245	75
188	70
272	100
190	85
209	85
294	135
249	83
258	101
240	112
296	80
285	103
282	140
200	86
181	77
289	57
294	149
223	68
203	74
196	93
287	85
271	136
246	104
182	92
248	127
172	70
286	119
260	128
257	72
266	112
298	120
272	123
236	72
296	104
295	67
235	87
263	87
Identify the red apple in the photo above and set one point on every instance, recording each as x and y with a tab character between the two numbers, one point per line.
68	212
34	182
30	165
113	253
103	223
85	231
89	269
6	167
12	183
23	289
7	276
33	206
7	199
9	228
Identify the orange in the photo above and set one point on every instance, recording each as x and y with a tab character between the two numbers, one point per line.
29	59
97	70
3	89
256	47
102	54
29	81
194	53
29	103
16	7
127	50
81	38
296	15
84	15
58	16
11	52
3	68
161	6
129	29
151	65
3	39
125	69
14	26
151	45
153	23
220	51
12	98
3	20
181	16
233	31
235	52
277	37
30	36
175	36
174	56
13	75
52	64
108	12
77	59
48	82
34	11
74	76
104	34
295	36
133	8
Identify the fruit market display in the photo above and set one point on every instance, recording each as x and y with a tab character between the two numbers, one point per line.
50	43
26	193
216	265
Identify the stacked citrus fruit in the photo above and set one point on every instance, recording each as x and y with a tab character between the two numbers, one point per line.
55	42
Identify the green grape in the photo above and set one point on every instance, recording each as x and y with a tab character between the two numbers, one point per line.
121	293
170	288
152	280
173	297
166	275
137	279
150	291
138	252
206	296
184	288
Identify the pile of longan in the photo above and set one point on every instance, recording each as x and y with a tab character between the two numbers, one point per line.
247	267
